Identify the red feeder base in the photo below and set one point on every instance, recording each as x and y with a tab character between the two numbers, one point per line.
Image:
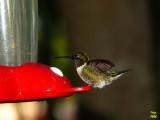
33	81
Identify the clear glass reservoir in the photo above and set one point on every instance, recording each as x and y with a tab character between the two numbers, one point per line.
18	31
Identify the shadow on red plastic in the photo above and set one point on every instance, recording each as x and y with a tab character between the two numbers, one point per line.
33	81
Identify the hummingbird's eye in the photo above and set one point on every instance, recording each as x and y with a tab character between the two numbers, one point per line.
76	56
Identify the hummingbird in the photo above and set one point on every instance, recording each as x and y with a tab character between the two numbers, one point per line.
96	73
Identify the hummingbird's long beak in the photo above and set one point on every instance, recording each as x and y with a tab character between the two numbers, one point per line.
70	57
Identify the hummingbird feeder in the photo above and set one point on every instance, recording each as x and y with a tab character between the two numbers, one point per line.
21	78
32	81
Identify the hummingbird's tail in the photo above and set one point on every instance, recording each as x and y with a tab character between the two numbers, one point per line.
123	71
116	75
119	74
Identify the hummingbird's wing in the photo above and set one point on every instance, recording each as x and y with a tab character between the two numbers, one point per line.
101	65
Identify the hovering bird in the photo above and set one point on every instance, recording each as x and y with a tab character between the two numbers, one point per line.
97	73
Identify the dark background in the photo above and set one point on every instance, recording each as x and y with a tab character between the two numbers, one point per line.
125	32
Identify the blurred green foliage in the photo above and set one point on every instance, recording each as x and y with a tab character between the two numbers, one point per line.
53	42
52	37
